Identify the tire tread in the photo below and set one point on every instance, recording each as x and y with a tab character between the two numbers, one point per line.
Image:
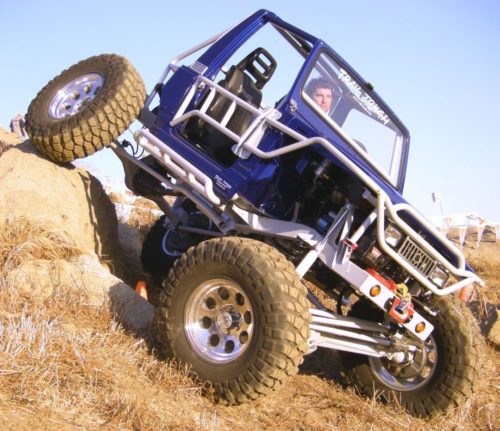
286	316
460	368
98	124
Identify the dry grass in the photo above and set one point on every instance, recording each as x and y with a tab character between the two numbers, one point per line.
67	365
65	362
486	261
142	219
21	241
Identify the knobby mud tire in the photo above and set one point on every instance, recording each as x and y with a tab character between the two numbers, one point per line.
456	373
102	120
278	299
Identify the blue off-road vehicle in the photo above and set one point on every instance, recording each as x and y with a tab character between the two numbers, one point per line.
280	172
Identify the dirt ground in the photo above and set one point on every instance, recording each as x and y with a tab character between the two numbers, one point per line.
67	365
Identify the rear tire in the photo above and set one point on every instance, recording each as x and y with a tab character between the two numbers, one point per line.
452	363
236	311
85	108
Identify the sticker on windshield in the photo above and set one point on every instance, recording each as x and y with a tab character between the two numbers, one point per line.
363	98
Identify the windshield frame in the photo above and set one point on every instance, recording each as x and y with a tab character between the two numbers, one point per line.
322	49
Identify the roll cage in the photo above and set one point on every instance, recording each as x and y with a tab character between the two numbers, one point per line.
191	91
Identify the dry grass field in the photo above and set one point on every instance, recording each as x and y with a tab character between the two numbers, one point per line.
66	365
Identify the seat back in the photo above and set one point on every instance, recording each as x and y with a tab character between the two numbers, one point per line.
242	85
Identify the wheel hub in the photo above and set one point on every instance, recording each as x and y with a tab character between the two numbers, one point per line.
219	321
409	371
75	95
227	320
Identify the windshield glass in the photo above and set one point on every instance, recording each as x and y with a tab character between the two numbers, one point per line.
338	98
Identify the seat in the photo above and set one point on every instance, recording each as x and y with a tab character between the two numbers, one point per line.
246	81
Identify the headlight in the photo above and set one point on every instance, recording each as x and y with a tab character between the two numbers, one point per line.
439	276
393	236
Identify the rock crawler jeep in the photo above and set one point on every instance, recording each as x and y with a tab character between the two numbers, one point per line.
283	169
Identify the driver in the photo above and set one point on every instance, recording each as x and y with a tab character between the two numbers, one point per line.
321	92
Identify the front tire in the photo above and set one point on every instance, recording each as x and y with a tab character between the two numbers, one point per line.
443	373
85	108
234	309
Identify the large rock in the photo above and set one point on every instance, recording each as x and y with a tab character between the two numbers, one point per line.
72	202
67	198
9	138
85	277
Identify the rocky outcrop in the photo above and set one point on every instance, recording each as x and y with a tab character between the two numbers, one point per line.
72	202
9	138
67	198
87	279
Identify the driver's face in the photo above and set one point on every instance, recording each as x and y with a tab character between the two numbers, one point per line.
323	98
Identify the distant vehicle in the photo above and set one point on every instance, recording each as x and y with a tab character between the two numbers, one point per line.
284	169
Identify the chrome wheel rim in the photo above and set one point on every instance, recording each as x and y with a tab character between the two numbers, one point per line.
75	95
409	375
219	321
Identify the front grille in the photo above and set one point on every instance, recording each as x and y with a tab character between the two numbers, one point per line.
416	257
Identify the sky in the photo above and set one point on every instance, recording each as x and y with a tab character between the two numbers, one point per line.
435	62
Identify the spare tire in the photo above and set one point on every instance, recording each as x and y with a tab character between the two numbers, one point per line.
85	108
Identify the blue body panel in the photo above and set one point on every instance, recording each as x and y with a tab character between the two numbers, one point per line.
269	185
